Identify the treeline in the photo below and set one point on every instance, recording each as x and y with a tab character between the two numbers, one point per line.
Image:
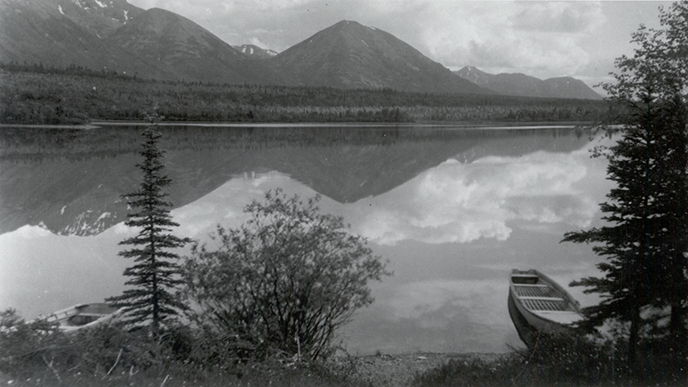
39	95
72	69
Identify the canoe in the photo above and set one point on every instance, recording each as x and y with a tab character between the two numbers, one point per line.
83	316
537	304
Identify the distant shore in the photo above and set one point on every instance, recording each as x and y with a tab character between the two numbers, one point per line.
431	125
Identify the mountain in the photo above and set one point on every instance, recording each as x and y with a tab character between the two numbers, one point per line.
528	86
351	55
255	52
115	35
185	49
65	32
101	17
571	88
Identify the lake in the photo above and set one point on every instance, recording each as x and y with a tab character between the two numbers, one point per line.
453	209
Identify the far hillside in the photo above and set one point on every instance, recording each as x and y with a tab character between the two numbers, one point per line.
74	95
529	86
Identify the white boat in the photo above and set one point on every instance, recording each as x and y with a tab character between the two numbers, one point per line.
537	304
83	316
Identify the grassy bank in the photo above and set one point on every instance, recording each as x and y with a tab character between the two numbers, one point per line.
412	370
36	353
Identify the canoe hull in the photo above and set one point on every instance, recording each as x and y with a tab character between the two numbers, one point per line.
537	305
83	316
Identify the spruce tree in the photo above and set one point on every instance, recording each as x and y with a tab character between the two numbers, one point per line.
151	300
645	239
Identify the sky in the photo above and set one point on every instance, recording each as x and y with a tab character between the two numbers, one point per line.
538	38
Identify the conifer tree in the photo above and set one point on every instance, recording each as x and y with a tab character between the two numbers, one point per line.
151	300
646	238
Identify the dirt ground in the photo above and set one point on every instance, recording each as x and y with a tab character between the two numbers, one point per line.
399	370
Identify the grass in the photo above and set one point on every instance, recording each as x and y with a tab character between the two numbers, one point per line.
562	361
37	354
259	374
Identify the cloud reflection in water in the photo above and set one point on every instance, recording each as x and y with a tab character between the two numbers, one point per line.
458	202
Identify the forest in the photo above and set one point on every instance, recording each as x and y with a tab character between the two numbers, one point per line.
34	94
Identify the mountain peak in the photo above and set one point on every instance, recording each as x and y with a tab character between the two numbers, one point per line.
349	54
253	51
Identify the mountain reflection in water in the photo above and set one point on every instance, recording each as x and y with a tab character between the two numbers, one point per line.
453	210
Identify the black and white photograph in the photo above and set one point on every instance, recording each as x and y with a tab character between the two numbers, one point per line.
344	193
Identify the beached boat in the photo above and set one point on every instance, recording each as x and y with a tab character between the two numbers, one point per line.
537	304
83	316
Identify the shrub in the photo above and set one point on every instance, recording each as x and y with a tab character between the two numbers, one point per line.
281	284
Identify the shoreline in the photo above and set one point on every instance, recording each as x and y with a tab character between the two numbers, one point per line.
401	369
497	125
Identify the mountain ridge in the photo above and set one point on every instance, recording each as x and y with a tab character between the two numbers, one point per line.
519	84
183	48
40	31
114	35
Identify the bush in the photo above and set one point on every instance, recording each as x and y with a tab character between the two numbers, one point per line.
282	283
39	350
25	346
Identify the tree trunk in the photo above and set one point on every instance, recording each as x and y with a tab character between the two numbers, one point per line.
678	335
633	340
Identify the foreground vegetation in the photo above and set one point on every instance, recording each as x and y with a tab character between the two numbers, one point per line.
38	95
644	241
37	354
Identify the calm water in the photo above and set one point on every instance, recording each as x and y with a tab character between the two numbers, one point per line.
453	210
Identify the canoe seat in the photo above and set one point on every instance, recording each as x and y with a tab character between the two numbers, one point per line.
543	298
552	304
534	291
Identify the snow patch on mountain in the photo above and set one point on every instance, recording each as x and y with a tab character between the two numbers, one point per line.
59	8
101	5
86	224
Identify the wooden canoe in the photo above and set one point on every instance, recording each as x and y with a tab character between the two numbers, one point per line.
83	316
537	304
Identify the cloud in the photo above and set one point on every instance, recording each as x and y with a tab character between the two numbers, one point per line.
457	202
225	205
558	17
537	38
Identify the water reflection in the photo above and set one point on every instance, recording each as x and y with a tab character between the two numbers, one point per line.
457	202
452	217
